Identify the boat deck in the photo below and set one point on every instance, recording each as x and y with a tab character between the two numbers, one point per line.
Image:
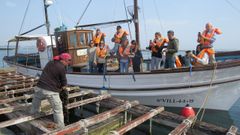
105	114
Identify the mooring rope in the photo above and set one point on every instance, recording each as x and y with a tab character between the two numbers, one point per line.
25	14
203	106
129	29
84	12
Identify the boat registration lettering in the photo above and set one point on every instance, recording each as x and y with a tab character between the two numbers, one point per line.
173	100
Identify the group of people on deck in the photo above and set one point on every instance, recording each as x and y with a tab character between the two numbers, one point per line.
128	54
167	55
164	51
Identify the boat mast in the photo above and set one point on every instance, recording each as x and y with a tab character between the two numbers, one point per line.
46	17
136	23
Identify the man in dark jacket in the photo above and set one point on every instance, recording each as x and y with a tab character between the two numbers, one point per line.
50	84
172	50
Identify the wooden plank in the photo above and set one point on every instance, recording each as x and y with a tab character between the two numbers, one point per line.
14	108
134	123
18	86
8	100
24	119
71	88
183	127
17	81
87	101
77	94
10	92
232	130
18	107
28	127
84	123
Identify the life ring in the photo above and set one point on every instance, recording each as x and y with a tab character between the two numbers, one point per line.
41	44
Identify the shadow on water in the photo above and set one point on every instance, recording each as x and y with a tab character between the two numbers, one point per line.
216	117
235	113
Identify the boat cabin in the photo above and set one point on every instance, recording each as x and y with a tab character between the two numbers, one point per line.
74	42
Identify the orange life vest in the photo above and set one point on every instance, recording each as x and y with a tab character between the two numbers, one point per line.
124	51
101	52
160	42
209	51
210	35
97	38
178	62
118	36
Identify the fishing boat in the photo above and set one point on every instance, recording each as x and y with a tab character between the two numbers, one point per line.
214	86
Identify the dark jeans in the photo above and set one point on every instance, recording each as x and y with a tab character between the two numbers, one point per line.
92	67
100	67
136	67
170	62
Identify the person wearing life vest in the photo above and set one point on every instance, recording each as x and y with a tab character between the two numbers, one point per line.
156	46
206	39
101	53
99	36
119	36
202	58
124	52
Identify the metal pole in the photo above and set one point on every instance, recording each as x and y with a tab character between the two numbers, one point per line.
46	18
136	23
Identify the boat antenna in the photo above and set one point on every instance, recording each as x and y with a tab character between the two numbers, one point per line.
136	23
47	3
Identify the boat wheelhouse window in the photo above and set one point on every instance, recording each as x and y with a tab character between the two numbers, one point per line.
73	39
27	54
89	37
82	39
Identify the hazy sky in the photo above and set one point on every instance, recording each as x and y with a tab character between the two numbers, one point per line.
185	17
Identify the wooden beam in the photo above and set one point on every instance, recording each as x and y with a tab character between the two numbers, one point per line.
77	94
8	100
87	101
18	86
16	91
24	119
17	81
14	108
232	130
84	123
134	123
183	127
71	88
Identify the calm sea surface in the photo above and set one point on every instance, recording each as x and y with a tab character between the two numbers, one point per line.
221	118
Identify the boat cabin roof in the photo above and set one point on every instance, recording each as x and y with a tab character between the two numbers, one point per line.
26	38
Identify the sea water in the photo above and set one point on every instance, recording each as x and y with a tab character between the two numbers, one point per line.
221	118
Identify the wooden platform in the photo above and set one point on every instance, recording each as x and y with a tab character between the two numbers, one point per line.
106	114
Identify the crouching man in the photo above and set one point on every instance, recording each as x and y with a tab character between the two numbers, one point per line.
49	86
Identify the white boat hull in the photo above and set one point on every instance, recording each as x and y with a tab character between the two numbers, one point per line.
165	89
